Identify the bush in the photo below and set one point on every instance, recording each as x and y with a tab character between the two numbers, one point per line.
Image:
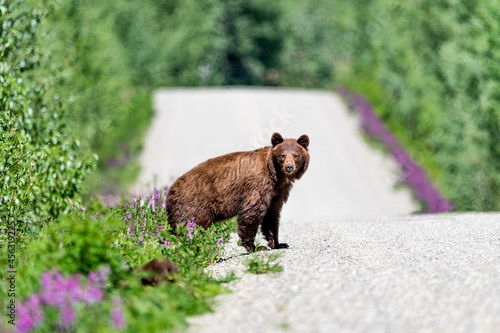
41	164
79	47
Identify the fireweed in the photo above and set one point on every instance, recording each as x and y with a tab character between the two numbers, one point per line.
414	175
65	294
147	224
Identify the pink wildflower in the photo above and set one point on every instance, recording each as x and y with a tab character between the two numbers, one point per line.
117	317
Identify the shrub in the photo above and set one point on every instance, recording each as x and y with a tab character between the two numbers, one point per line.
41	164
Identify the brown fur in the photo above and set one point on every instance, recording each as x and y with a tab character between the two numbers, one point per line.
161	271
252	185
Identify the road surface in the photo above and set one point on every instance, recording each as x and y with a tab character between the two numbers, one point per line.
433	273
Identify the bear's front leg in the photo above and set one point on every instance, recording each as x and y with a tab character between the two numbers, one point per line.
270	228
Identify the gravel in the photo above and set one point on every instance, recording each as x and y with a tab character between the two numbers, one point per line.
429	273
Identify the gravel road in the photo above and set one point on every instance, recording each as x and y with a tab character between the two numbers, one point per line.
357	262
436	273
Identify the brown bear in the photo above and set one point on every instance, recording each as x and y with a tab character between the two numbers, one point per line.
252	185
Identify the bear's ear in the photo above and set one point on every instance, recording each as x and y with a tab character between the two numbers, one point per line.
276	139
303	141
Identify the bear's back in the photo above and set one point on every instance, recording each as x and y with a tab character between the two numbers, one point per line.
231	167
214	189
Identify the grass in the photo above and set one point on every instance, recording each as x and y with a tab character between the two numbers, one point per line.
262	263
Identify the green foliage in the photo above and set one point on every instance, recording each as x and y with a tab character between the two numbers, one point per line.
40	163
166	307
80	42
77	41
429	69
261	263
193	43
308	43
67	79
74	244
86	240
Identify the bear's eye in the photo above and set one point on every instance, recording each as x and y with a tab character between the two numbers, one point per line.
282	155
295	156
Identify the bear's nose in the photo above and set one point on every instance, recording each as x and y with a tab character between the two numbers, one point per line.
289	168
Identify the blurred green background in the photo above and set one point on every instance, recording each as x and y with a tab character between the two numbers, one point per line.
77	77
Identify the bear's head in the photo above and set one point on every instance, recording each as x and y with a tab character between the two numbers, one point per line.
289	157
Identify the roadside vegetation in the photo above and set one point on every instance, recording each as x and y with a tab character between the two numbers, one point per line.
76	81
262	263
87	273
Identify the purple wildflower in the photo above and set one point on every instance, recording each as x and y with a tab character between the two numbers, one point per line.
84	208
26	321
219	242
68	316
127	206
117	317
134	201
53	286
99	278
30	314
72	289
157	195
63	293
71	202
92	294
34	304
190	226
152	203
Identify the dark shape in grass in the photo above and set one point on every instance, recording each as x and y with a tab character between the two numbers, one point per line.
160	271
